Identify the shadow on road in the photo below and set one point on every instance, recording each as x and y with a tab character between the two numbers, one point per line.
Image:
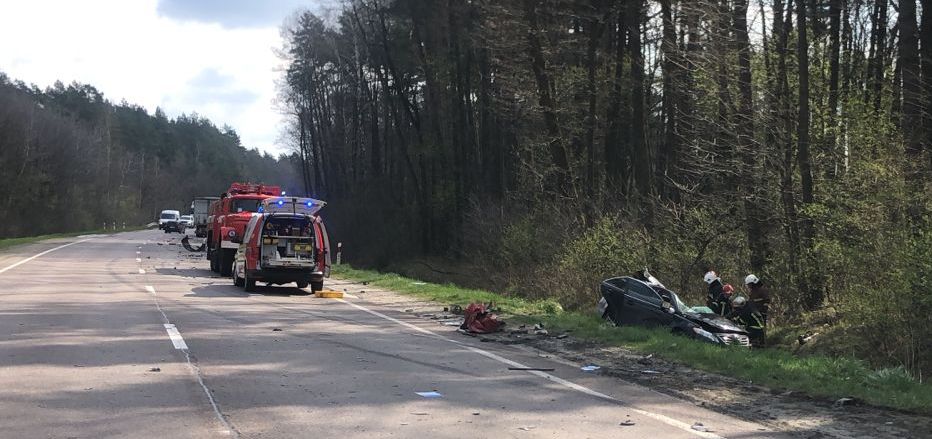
230	290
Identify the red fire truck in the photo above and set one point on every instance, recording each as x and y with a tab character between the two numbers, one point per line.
227	220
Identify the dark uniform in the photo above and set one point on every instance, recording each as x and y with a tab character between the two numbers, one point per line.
753	321
760	295
717	301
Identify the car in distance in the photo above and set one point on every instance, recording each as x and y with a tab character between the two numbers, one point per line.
285	241
187	221
168	216
646	302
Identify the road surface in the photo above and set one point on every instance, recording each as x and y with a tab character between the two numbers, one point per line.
129	335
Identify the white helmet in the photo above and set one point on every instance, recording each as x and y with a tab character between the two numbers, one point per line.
739	301
751	279
710	277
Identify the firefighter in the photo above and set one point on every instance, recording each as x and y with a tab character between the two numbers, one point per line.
747	314
717	301
759	294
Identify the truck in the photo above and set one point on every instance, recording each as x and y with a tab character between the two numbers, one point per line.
200	209
227	218
286	241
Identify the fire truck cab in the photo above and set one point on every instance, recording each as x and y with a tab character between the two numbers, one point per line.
285	241
227	220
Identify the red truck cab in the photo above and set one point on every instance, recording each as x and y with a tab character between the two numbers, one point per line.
226	223
285	241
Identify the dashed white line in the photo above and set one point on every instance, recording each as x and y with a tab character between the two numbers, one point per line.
10	267
138	259
141	271
175	336
656	416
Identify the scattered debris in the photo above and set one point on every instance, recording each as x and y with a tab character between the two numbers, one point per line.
843	402
409	310
477	414
276	329
590	368
539	369
562	336
528	428
480	319
627	423
420	413
416	283
155	369
651	372
699	427
431	394
188	247
455	309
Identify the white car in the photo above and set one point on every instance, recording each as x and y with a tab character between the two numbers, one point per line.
187	220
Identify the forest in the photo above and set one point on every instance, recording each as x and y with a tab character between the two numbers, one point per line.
548	144
73	161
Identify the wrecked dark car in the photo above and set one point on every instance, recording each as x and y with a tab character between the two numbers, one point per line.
629	301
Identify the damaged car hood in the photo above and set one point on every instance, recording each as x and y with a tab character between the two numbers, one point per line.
721	324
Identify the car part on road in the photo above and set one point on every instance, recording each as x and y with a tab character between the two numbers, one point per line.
187	245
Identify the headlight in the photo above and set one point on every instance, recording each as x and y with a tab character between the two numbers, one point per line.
706	335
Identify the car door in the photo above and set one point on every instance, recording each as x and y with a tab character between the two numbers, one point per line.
644	304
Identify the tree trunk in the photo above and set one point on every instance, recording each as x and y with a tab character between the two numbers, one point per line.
754	222
911	108
545	99
813	297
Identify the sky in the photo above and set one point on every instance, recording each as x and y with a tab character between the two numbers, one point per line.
216	58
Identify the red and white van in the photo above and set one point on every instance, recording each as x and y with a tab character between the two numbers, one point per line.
285	241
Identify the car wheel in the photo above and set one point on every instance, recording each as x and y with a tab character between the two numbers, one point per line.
317	286
248	284
226	262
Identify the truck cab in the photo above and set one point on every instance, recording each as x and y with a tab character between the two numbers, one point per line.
284	241
227	219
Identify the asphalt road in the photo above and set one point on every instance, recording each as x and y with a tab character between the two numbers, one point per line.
129	335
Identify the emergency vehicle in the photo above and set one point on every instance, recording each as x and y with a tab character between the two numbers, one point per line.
227	221
285	241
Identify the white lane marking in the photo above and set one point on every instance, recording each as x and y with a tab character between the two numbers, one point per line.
138	252
175	336
350	296
40	254
138	259
656	416
183	347
141	271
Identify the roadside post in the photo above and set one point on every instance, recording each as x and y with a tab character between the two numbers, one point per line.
339	252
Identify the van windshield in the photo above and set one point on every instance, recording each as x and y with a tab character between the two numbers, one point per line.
168	216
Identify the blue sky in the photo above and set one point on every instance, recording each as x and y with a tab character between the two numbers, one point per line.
213	57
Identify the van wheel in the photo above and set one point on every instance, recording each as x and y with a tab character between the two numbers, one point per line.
302	285
238	281
248	284
226	262
212	257
317	286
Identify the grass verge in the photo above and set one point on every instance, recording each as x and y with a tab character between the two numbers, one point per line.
10	242
815	375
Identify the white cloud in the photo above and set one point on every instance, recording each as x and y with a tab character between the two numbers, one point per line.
128	51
